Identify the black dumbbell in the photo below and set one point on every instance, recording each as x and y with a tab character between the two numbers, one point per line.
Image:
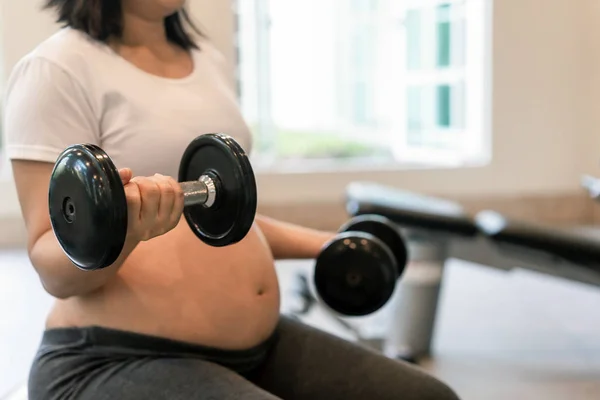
356	272
88	207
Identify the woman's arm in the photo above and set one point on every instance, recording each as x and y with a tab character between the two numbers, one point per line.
45	111
289	241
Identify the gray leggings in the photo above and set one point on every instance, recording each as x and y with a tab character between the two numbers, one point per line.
298	362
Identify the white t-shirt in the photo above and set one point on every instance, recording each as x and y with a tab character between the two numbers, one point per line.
72	89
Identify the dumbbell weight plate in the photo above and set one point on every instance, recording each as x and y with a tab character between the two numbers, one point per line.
231	217
355	274
384	229
87	205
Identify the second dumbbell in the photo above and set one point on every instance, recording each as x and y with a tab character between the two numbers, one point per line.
357	271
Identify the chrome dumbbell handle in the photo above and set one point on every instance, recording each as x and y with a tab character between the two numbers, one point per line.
201	192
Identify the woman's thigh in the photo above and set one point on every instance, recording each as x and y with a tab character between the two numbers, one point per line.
307	363
142	379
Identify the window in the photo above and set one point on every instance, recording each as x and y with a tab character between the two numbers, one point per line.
327	83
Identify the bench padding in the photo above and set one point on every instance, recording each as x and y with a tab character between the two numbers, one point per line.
409	209
571	245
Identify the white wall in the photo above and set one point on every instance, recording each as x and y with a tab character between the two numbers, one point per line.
590	79
545	134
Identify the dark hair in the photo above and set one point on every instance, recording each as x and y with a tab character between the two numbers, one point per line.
102	19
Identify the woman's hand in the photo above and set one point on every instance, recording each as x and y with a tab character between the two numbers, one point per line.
154	205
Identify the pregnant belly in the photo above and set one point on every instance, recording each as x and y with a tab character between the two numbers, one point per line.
177	287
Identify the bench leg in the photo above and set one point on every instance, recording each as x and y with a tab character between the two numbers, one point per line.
415	303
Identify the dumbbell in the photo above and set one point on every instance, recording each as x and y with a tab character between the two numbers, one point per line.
356	272
88	207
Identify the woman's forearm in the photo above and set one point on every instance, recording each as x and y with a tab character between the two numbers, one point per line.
60	277
290	241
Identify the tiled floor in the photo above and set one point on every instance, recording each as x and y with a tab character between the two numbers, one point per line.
499	335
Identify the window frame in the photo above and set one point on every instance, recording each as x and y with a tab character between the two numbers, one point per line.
477	83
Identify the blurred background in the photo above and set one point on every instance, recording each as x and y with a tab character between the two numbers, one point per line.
492	104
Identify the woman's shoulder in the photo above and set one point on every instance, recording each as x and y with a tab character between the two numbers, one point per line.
68	50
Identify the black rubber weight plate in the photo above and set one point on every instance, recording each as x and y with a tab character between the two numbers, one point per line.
355	275
231	217
385	230
88	209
